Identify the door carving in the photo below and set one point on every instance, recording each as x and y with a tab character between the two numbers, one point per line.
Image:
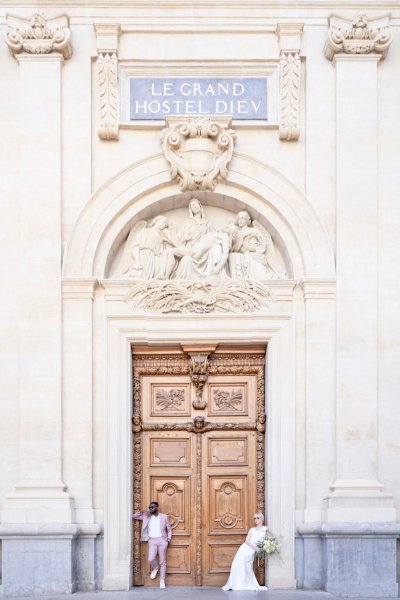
199	426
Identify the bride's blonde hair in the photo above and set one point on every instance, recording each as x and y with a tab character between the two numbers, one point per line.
259	515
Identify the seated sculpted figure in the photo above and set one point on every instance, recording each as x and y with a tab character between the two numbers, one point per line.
202	252
146	253
252	253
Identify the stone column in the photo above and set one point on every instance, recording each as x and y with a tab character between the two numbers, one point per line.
40	47
355	566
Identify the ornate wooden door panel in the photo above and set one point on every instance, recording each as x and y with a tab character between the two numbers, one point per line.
168	460
199	451
229	479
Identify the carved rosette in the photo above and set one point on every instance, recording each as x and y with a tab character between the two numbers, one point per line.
360	36
107	73
39	35
289	128
198	151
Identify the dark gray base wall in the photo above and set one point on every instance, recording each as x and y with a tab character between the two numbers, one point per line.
348	559
50	559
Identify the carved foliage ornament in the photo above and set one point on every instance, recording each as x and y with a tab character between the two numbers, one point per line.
107	72
198	151
199	297
360	36
39	35
289	128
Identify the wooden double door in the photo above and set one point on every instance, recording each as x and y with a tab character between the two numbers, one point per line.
198	427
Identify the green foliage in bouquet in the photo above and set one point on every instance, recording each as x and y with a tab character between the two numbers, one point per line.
267	546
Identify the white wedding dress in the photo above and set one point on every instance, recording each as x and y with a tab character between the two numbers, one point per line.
242	576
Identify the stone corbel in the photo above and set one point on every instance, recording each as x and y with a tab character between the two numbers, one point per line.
290	77
358	36
38	35
107	76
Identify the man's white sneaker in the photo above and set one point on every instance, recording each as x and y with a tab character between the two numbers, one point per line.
162	584
153	574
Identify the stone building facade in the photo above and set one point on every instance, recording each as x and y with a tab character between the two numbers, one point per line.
204	180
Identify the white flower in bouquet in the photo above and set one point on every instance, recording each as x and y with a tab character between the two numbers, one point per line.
268	545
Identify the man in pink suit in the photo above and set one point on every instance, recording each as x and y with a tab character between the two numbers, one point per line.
156	529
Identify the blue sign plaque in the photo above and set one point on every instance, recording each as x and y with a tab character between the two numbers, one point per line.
157	98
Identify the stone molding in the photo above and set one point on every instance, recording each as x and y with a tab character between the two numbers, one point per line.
319	289
349	529
107	37
359	36
198	150
290	80
78	288
38	35
48	530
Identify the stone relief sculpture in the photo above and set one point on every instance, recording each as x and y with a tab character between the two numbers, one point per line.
146	254
252	253
242	249
194	266
203	252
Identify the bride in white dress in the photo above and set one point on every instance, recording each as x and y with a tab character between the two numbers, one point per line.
242	575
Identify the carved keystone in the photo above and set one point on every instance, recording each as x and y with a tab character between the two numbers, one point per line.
198	150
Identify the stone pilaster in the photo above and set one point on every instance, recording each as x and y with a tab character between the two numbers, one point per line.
40	495
78	415
356	507
355	49
319	297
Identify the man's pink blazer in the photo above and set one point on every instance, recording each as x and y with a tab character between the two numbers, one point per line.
144	516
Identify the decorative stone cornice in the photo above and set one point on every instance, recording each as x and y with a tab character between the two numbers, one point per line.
290	78
359	36
107	36
39	35
198	150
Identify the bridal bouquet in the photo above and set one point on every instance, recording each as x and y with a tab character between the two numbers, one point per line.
266	546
